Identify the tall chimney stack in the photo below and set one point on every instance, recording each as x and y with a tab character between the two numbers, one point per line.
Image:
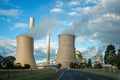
48	50
31	22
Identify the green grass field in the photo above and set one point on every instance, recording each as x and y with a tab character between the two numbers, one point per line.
27	74
113	74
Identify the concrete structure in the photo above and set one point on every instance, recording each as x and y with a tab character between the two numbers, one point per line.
25	49
24	52
98	59
31	22
66	50
48	50
83	61
43	65
79	57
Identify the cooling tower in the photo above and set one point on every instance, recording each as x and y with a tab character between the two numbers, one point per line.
66	51
24	52
83	60
48	50
98	59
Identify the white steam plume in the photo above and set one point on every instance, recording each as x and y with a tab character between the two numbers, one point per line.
47	25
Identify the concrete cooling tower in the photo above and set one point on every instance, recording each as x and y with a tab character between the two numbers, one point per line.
98	59
66	50
25	49
24	52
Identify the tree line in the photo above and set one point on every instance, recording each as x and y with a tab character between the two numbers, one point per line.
9	63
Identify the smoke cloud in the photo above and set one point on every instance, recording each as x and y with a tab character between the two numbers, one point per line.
47	26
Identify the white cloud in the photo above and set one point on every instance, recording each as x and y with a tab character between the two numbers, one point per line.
81	49
92	1
91	52
10	12
100	24
66	23
20	25
74	3
78	9
102	18
41	44
95	42
106	3
7	47
40	50
8	3
72	14
4	40
103	7
111	20
56	10
81	38
84	10
107	28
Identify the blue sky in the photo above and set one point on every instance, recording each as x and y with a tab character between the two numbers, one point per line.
95	23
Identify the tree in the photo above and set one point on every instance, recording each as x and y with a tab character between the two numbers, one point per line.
26	66
18	66
118	59
1	59
8	62
58	65
110	55
98	66
73	65
83	65
89	63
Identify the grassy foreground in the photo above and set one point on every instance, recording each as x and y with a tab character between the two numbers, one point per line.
27	74
114	74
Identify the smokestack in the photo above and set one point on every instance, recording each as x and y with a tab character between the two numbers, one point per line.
31	22
48	50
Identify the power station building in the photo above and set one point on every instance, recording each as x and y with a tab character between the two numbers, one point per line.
66	50
25	49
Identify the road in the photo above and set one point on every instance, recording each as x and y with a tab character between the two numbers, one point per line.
79	75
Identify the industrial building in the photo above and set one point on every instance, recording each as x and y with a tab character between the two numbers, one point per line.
25	49
66	50
79	57
98	59
24	52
